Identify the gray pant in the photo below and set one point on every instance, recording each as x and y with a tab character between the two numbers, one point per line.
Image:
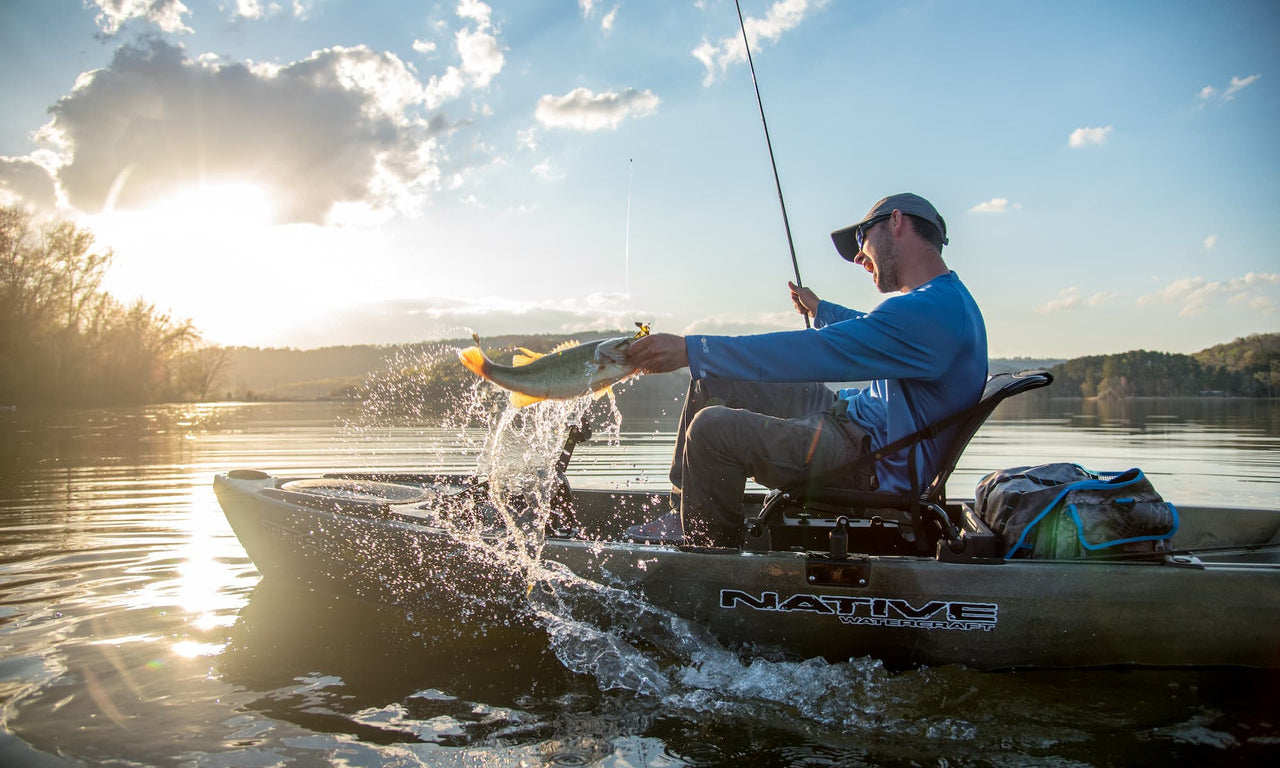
782	435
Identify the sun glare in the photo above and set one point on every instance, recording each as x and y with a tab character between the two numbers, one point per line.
216	253
223	205
220	210
173	251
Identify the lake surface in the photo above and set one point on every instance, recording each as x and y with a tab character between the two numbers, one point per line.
134	631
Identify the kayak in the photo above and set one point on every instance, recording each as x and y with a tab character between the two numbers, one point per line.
804	585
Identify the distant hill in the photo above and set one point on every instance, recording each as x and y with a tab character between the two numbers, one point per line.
271	374
429	372
254	373
1245	367
1015	364
1253	354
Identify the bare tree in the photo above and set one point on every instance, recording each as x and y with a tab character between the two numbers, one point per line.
201	369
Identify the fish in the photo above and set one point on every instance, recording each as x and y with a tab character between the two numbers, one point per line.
569	371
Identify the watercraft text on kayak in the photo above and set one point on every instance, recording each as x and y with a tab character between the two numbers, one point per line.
872	611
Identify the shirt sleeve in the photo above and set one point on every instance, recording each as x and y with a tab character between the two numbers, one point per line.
829	313
903	338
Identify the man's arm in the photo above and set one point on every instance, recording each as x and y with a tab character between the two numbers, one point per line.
659	353
807	302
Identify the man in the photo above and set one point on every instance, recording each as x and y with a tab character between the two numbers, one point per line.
757	406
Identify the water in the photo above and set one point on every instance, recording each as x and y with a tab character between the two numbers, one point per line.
134	631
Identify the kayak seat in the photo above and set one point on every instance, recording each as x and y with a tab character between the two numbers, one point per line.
877	522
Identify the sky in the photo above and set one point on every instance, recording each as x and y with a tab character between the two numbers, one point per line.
307	173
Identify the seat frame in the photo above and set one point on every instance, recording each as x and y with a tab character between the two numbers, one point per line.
931	525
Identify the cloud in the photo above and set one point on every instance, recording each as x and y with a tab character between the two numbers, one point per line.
249	9
343	126
424	46
995	205
476	11
527	138
481	54
482	57
1237	84
1210	242
450	318
547	172
782	16
607	21
165	14
24	181
1073	298
344	134
255	10
739	324
1197	295
582	110
1083	137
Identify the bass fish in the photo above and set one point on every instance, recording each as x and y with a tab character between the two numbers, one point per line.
570	370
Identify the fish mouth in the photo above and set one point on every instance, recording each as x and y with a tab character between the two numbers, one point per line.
615	351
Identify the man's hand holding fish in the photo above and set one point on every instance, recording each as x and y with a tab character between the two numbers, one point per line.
658	353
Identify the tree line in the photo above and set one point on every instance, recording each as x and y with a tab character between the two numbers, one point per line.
66	341
1246	367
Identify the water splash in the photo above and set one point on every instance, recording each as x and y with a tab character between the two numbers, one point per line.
607	632
519	463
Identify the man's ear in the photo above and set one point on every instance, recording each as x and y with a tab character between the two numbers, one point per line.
897	220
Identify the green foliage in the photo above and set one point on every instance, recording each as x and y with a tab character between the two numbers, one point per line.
1256	357
64	341
1248	367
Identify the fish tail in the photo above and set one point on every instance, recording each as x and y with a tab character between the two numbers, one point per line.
473	360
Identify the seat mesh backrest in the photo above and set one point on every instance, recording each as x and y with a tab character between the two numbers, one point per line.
998	388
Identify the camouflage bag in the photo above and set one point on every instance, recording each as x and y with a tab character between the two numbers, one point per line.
1064	511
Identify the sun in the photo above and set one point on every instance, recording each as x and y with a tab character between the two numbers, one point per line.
224	209
219	254
173	251
221	206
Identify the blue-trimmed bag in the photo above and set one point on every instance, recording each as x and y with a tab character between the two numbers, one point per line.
1063	511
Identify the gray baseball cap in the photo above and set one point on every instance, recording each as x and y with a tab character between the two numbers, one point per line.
846	239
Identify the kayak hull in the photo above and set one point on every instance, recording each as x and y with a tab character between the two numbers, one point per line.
1216	608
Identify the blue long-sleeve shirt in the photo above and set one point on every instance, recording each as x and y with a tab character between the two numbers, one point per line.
924	351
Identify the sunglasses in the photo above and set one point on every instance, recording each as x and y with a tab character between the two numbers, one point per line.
860	234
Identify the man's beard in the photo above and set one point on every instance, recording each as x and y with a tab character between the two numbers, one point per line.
887	269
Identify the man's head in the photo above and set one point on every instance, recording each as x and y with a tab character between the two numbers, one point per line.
924	219
899	225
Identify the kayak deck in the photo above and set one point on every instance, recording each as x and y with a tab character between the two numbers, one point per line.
1215	600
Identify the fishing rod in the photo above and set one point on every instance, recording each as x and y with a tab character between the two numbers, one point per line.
795	265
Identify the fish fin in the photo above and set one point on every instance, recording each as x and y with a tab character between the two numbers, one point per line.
524	356
562	346
474	360
520	399
601	392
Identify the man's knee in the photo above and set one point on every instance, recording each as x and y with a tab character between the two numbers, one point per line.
711	430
